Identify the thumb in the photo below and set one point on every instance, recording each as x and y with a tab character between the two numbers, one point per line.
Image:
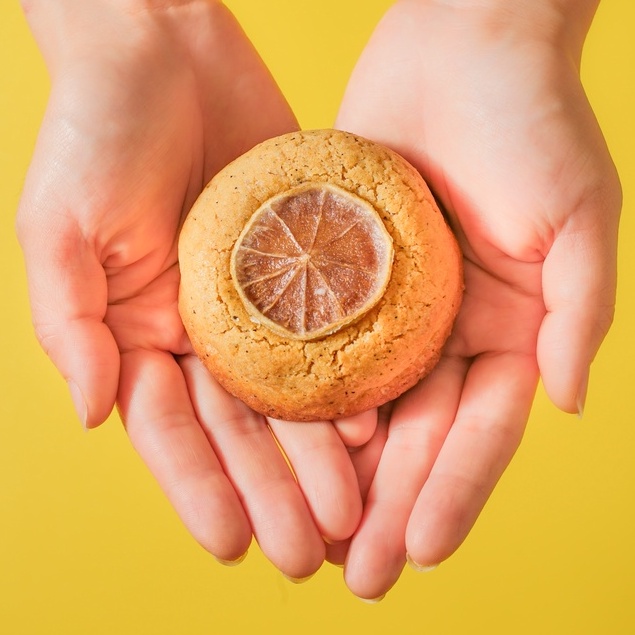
579	287
68	293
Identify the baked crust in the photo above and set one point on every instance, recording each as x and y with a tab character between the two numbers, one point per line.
366	363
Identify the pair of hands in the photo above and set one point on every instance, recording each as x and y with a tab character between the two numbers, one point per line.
150	99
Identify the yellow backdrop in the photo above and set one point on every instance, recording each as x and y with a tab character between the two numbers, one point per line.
89	545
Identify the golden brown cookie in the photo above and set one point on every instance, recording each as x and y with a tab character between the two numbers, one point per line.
318	276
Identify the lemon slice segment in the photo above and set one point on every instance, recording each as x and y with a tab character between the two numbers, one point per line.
312	260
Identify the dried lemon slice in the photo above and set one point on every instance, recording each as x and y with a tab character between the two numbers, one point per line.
312	260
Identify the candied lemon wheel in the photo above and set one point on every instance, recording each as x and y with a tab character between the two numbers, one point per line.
312	260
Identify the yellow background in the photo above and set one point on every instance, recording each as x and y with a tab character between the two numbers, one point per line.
89	545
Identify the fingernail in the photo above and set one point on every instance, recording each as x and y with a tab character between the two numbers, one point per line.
231	563
376	600
582	393
420	568
297	580
79	402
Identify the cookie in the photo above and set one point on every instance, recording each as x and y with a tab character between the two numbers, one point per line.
318	277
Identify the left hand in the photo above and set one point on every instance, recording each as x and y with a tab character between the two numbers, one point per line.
486	102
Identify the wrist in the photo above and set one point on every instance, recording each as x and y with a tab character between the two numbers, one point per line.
68	30
563	22
573	8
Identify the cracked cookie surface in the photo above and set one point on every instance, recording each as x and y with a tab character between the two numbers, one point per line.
367	361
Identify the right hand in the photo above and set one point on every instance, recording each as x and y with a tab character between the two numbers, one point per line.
149	100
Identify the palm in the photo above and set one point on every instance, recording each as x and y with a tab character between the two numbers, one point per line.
504	136
132	151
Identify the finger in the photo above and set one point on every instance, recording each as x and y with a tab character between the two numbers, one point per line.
162	425
419	424
357	429
325	475
336	552
489	425
365	460
278	513
579	282
68	294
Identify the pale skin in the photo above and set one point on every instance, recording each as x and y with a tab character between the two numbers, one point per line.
137	125
132	132
515	156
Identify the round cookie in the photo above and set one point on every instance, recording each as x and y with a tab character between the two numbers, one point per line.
318	276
